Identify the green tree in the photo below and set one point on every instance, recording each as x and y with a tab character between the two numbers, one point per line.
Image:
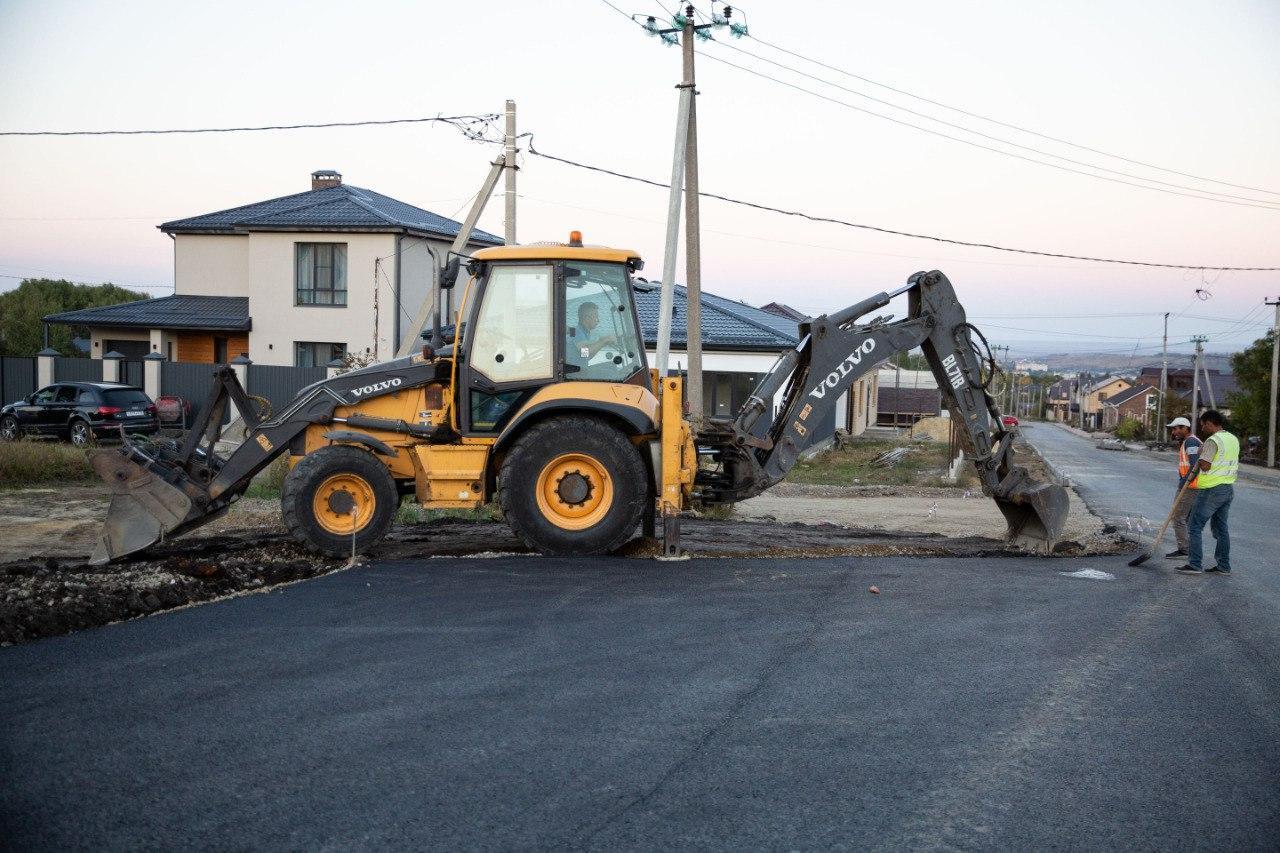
22	311
1250	406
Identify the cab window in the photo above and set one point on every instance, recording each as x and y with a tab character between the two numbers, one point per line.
601	337
513	340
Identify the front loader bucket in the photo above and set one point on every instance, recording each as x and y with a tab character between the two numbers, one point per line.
1036	513
143	506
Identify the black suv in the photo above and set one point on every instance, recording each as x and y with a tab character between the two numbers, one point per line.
80	411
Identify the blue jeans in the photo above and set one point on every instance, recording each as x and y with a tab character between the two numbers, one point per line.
1211	506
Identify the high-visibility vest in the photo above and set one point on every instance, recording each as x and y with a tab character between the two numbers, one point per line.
1184	465
1222	469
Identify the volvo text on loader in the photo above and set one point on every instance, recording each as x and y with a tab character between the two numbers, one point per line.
544	401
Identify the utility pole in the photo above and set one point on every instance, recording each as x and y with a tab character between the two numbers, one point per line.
686	31
692	233
1164	377
509	161
1275	371
1198	340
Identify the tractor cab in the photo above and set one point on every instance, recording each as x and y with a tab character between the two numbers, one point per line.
541	315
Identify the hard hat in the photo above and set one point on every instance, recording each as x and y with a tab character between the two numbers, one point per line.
1179	422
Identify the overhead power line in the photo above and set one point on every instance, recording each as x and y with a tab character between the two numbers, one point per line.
92	283
879	229
1254	202
1010	126
973	144
465	123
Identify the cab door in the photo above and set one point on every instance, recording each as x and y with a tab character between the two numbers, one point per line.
510	344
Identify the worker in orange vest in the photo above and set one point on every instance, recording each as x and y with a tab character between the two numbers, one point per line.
1188	470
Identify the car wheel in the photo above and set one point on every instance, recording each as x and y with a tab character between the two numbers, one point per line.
9	429
81	434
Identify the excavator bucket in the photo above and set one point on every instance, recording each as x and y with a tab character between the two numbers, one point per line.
1036	512
143	506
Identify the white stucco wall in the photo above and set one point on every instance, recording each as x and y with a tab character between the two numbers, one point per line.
211	264
416	276
278	322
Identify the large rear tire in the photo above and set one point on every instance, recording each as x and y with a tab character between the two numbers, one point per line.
334	493
573	485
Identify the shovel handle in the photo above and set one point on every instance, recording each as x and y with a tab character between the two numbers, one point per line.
1156	544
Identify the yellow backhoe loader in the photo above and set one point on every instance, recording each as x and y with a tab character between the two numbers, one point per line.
539	395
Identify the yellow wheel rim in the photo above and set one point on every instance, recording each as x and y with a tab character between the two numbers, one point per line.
574	491
343	503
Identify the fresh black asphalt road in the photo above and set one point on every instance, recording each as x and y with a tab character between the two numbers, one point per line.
520	702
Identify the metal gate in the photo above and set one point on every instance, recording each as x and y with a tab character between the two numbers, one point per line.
131	373
280	384
190	381
17	378
77	369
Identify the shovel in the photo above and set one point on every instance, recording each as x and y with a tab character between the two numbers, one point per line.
1149	553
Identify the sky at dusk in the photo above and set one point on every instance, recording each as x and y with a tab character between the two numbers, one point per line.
1190	86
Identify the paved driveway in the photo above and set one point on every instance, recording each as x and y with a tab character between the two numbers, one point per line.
524	702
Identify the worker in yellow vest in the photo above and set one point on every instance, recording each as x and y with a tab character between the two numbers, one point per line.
1219	459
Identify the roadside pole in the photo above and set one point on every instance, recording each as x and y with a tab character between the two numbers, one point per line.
1164	377
673	230
1275	371
1198	340
509	158
692	233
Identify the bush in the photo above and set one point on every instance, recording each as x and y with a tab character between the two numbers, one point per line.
1130	429
269	482
24	463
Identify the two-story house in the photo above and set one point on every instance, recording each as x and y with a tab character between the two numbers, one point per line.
298	280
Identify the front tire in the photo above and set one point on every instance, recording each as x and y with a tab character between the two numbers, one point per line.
573	485
9	428
334	493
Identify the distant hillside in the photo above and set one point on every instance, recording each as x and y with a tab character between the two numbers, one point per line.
1111	363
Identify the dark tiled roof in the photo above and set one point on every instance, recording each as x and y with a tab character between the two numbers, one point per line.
222	313
342	206
1128	394
726	325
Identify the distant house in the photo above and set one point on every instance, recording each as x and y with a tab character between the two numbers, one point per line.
297	280
906	396
1181	380
1137	403
1096	394
1061	400
783	310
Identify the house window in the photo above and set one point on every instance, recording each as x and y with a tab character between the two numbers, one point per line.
313	354
322	274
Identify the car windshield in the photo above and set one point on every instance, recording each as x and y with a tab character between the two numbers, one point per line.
123	397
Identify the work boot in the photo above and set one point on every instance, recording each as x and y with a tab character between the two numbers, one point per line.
1191	570
1173	555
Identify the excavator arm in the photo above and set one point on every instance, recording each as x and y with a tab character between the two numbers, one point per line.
760	446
